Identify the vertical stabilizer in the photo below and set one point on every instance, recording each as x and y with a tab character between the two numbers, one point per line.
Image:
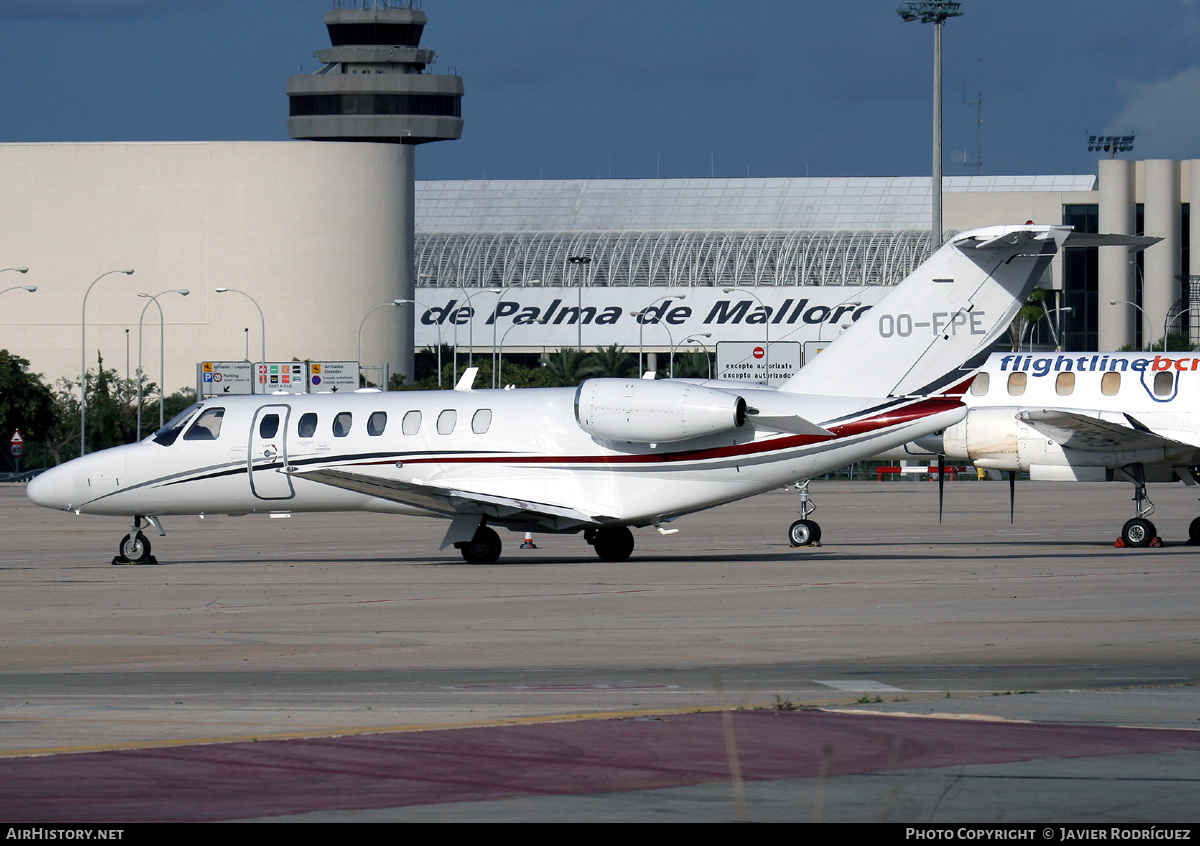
949	310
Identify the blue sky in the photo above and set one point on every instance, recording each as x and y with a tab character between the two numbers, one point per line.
597	88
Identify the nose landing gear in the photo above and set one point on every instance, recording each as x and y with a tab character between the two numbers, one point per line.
135	546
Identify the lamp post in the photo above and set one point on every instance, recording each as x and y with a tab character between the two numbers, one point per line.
83	360
934	12
1135	305
29	288
639	314
470	329
262	320
162	369
585	261
396	304
692	337
1053	328
766	327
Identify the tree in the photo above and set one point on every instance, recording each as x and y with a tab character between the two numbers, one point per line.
568	367
26	402
613	362
1027	317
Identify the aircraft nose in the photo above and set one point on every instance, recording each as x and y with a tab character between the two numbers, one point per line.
43	489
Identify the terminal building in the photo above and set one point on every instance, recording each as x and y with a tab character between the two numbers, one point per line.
310	232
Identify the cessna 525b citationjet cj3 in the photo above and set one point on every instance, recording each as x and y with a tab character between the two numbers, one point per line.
598	459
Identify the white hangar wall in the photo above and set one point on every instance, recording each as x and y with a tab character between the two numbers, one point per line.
310	231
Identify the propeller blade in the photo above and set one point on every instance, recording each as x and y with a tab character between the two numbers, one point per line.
941	485
1012	494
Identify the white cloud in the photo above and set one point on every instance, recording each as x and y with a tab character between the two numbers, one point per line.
1165	114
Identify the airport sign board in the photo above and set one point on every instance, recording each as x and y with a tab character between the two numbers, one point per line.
224	378
334	376
655	318
287	376
748	361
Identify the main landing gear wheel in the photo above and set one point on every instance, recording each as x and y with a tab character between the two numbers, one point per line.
1138	532
804	533
134	550
613	543
1194	532
484	548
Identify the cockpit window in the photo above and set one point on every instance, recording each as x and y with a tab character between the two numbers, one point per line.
168	433
207	427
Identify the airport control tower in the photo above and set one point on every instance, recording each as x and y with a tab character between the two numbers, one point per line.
373	86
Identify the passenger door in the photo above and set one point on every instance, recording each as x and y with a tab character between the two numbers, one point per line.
268	453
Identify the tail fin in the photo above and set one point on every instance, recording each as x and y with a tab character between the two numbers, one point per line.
948	311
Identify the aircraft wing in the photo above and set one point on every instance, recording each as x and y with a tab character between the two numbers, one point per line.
1076	430
450	502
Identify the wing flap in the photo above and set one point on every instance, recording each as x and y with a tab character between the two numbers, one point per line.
1076	430
450	502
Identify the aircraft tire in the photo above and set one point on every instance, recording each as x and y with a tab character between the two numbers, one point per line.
613	543
484	548
1138	532
804	533
135	550
1194	532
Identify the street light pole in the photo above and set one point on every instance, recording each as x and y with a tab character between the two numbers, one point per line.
1135	305
692	337
262	320
162	368
585	261
397	304
934	12
83	361
641	323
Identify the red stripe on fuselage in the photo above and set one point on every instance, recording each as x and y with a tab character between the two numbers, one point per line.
895	417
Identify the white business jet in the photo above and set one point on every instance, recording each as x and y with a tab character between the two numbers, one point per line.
1086	417
601	458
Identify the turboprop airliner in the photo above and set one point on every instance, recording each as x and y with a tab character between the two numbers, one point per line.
608	456
1085	417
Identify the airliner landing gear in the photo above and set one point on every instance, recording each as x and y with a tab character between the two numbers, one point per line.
135	547
1140	532
612	543
483	548
805	532
1194	532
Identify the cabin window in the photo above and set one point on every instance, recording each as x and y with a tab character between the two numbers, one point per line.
268	426
1110	383
207	427
481	421
1064	385
308	425
411	423
981	384
446	421
1016	384
1163	383
376	423
168	433
342	423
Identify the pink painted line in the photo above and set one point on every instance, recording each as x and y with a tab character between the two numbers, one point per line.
274	778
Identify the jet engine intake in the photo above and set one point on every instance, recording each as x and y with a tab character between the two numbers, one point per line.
648	411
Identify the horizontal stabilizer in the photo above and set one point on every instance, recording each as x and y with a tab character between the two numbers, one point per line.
1135	243
1098	431
790	423
450	502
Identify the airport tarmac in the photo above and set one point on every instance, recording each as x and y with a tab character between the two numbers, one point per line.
339	667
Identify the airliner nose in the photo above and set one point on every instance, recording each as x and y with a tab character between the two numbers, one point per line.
43	490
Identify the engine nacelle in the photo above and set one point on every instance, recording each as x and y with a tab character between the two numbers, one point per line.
652	412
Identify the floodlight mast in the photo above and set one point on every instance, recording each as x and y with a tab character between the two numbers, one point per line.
934	12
